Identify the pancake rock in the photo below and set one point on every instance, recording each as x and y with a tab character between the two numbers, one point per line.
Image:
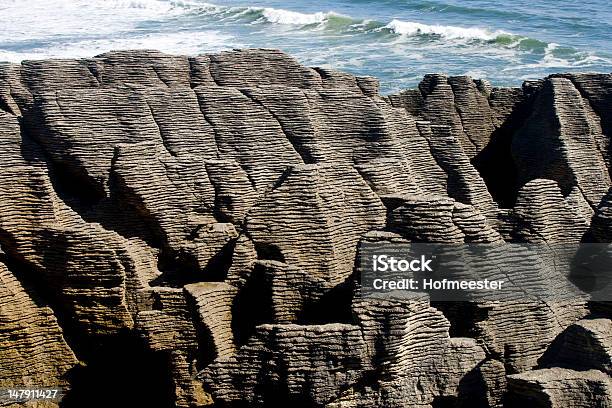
33	350
185	231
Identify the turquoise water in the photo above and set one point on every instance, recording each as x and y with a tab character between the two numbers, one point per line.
397	41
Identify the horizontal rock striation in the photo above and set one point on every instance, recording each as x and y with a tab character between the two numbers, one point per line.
185	231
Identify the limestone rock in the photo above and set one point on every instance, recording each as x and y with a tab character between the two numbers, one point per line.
334	201
602	221
200	217
586	344
305	365
561	142
558	387
33	352
542	215
213	303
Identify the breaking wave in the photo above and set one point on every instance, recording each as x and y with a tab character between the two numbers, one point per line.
252	15
410	28
346	25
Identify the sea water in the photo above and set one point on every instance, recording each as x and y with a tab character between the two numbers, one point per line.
394	40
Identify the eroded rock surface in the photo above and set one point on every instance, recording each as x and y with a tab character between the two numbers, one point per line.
195	221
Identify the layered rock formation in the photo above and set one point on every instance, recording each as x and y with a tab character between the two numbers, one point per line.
183	231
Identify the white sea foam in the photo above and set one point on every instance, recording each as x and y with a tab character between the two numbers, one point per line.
172	43
266	14
552	61
410	28
279	16
80	28
41	19
476	73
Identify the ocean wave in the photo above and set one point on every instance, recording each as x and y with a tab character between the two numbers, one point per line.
343	24
263	14
70	14
333	20
557	57
279	16
65	19
410	28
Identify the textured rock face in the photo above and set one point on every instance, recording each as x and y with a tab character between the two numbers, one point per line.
195	221
34	353
557	387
